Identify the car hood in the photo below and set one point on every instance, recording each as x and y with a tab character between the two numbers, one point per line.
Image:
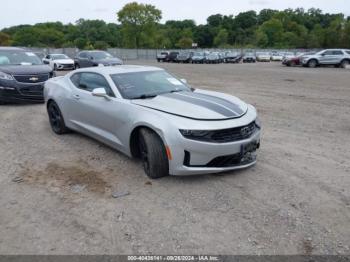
64	61
109	61
25	69
199	105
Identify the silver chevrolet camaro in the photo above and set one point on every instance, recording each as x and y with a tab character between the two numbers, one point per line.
148	113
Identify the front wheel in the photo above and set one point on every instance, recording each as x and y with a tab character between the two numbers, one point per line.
153	154
345	63
312	63
56	119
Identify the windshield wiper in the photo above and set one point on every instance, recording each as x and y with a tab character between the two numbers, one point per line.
176	91
144	96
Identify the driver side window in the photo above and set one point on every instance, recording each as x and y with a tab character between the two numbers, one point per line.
328	53
90	81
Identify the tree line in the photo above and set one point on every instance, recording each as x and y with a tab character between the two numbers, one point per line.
138	26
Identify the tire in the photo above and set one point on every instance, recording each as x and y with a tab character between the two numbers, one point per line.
153	154
77	66
312	63
158	60
56	119
54	67
344	63
293	64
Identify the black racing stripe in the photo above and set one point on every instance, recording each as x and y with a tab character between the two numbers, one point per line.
199	102
218	100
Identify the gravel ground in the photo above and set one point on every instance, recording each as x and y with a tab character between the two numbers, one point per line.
56	191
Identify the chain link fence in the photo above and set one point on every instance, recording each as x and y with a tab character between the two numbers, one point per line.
145	54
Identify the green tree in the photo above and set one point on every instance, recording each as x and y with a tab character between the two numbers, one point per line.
274	32
221	38
4	39
185	42
139	23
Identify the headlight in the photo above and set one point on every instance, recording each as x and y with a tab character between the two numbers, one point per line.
5	76
194	133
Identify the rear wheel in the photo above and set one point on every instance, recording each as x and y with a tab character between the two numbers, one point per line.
345	63
153	154
56	119
312	63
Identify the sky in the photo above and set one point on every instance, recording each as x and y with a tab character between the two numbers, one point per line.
15	12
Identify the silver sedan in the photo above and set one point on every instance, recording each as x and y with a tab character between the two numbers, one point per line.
148	113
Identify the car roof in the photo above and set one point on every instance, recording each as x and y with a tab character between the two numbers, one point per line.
120	69
9	48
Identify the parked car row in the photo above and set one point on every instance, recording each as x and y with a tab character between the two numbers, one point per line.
334	57
83	59
215	57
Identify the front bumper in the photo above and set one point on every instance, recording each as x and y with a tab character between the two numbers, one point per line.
233	60
65	67
192	157
15	92
249	59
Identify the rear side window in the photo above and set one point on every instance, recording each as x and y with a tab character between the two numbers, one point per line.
348	52
337	52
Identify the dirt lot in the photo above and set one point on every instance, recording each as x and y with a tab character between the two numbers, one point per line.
55	191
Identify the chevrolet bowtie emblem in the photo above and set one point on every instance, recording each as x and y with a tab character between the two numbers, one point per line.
33	79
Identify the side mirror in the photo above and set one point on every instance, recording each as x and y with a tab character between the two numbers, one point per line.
183	81
100	92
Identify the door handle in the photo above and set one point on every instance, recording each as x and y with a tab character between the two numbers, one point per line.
77	97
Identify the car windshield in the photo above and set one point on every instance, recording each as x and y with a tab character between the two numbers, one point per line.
263	53
18	57
140	85
249	54
198	54
61	56
100	55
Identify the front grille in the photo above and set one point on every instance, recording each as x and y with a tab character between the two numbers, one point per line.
234	160
31	79
225	161
225	135
234	134
35	90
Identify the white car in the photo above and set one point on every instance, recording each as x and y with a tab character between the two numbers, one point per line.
276	57
59	62
263	57
146	112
